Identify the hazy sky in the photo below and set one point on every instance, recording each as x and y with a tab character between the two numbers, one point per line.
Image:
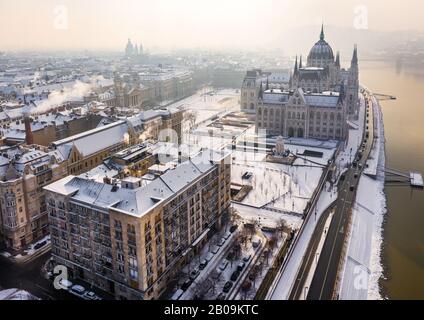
106	24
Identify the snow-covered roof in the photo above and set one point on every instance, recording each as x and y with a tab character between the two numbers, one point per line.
93	141
137	201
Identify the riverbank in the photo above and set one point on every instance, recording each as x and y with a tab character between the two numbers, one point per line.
362	267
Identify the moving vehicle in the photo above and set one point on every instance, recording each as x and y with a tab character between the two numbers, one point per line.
240	266
352	188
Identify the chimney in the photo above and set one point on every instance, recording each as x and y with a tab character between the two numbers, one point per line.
29	137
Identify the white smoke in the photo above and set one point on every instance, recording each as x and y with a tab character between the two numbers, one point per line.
72	93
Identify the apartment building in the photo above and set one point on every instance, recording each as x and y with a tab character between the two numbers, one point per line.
132	237
23	174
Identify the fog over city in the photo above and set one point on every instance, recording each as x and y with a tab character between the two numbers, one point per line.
206	24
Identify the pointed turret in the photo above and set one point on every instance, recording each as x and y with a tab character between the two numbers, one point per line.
355	55
300	63
267	83
321	37
295	66
338	59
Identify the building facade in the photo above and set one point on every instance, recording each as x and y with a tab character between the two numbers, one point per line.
24	173
131	239
317	103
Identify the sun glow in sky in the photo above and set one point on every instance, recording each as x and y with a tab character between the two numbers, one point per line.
106	24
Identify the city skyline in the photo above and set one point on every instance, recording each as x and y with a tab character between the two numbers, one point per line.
72	25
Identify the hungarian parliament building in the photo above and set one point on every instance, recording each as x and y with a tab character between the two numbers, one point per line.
314	104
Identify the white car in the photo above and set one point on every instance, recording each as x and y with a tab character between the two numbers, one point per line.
221	242
209	256
223	265
90	295
77	290
215	249
65	284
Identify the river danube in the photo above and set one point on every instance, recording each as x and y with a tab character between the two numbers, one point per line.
403	247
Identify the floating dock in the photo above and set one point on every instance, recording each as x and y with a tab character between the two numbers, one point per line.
416	179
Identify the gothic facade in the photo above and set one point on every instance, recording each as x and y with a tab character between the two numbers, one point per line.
320	97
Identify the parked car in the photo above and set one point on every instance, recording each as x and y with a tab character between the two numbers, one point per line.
77	290
65	284
177	295
233	228
240	266
203	264
223	265
256	242
186	284
352	188
221	242
90	295
235	275
356	175
215	249
194	274
209	256
221	296
247	258
227	286
227	235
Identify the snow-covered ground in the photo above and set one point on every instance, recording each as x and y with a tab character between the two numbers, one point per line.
277	186
362	269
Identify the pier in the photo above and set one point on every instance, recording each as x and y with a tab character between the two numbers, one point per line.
413	178
381	96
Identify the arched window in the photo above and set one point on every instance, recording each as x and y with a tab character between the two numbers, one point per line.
303	116
339	117
260	111
298	115
312	114
332	116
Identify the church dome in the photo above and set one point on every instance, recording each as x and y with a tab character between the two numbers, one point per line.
321	53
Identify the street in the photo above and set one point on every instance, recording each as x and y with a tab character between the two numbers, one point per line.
325	278
28	277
